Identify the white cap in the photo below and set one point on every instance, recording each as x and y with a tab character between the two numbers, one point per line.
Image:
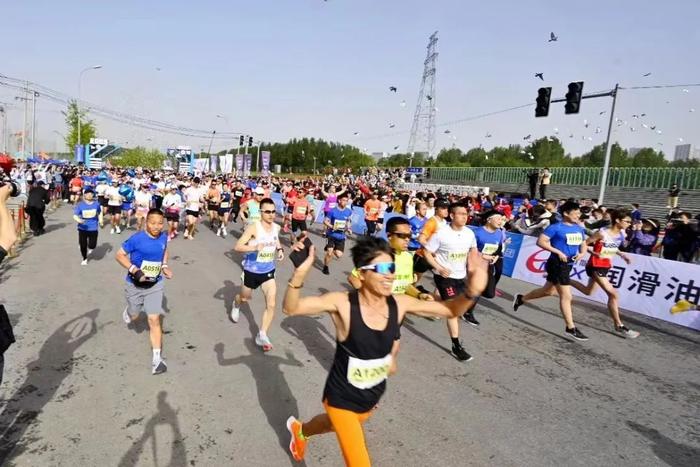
259	191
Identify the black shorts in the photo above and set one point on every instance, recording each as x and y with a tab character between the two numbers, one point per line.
336	245
299	225
558	273
592	270
172	216
253	280
449	287
420	264
371	227
102	200
290	208
223	211
213	207
113	210
192	213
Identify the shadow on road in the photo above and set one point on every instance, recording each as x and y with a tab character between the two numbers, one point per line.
227	293
275	396
165	415
101	251
315	337
44	376
52	227
409	325
672	453
492	306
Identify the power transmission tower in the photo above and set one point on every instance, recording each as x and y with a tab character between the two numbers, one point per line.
423	127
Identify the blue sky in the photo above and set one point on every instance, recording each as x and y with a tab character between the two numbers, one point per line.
293	68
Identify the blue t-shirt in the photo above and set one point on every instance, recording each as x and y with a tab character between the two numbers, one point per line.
566	238
127	192
487	242
89	180
89	212
146	253
416	228
339	219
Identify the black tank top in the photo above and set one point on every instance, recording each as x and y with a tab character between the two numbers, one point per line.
361	364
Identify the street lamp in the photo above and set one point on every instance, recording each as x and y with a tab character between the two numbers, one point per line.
80	78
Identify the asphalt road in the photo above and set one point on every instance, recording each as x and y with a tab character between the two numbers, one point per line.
78	388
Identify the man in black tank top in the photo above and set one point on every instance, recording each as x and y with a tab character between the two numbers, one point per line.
367	321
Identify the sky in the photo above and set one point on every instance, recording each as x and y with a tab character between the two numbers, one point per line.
280	69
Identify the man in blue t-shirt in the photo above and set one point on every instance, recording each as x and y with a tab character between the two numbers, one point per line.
337	223
417	223
565	241
87	214
145	256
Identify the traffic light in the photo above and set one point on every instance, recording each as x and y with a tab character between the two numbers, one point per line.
543	97
250	141
573	97
241	141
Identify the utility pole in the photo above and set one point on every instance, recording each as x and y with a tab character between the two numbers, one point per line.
423	127
608	149
3	111
24	120
34	96
257	163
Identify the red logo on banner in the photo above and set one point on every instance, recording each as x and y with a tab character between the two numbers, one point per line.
535	263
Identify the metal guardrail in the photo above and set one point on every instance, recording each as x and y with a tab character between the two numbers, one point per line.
630	177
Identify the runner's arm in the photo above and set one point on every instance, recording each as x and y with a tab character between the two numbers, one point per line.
241	244
544	243
122	258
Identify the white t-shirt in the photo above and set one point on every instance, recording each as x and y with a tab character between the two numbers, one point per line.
451	249
172	200
143	199
192	197
113	196
101	189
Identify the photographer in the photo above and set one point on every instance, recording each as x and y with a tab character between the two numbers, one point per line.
7	238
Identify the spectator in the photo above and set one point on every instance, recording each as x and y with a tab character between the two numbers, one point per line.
545	180
644	237
636	213
680	240
533	223
37	199
673	194
7	238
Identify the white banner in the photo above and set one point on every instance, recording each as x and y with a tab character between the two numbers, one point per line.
226	163
452	189
201	165
649	285
212	162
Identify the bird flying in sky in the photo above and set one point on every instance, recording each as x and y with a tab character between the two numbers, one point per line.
540	76
553	37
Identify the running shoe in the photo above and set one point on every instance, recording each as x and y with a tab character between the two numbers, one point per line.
224	233
83	262
517	301
125	316
576	334
185	236
235	312
459	353
326	271
119	230
469	318
159	366
297	443
626	332
263	341
111	232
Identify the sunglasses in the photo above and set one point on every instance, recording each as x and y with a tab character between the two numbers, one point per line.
380	268
268	211
402	236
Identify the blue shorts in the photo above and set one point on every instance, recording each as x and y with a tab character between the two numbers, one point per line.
126	207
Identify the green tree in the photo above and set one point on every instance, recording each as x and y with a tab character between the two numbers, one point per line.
87	126
139	157
648	157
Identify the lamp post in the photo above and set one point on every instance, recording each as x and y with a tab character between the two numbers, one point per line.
4	128
80	79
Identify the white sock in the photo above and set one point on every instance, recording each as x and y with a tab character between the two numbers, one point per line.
156	355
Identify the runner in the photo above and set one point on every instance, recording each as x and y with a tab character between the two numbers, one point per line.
194	199
449	251
491	242
417	223
76	187
260	241
213	201
127	192
145	256
250	210
564	240
432	225
289	195
224	210
143	202
337	222
238	192
301	210
606	244
367	323
102	200
372	207
172	203
87	214
330	200
114	205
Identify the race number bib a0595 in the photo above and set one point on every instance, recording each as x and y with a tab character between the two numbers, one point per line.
266	255
365	374
574	239
150	268
89	213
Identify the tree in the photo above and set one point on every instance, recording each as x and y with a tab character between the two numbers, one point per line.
648	157
139	157
87	127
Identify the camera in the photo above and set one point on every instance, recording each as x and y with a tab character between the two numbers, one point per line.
6	166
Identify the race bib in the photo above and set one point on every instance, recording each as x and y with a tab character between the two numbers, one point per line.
457	257
489	248
373	211
332	205
339	225
238	193
574	239
89	213
401	283
608	251
265	256
225	204
150	268
365	374
301	210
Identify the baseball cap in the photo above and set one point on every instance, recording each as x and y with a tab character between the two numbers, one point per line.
259	191
88	190
442	203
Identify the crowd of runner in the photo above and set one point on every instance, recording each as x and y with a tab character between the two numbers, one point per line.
436	260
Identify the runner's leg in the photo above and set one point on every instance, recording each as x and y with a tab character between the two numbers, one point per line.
269	289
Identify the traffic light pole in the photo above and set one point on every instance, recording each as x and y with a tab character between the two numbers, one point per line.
608	149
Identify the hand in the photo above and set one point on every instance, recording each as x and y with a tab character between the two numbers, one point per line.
576	257
494	259
563	257
443	271
81	221
5	191
393	367
167	273
426	297
627	259
259	247
280	255
304	267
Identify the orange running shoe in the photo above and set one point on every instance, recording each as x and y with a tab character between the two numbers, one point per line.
297	444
